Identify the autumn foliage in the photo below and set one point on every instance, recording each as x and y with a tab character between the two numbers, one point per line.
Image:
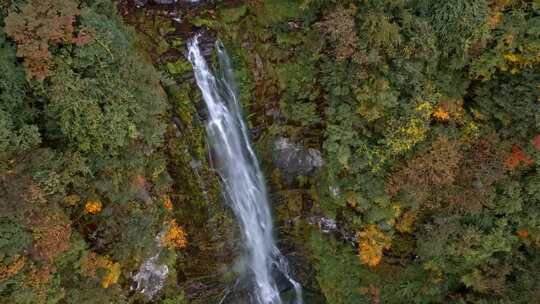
10	268
52	234
446	176
94	262
425	114
429	172
340	27
536	142
175	237
371	244
167	203
517	157
441	114
39	25
93	206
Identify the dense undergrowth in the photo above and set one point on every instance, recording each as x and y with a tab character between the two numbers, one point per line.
426	112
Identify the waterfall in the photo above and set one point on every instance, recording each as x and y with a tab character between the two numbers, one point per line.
242	180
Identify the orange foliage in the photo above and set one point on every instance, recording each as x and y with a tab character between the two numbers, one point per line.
449	108
372	242
175	237
441	114
167	203
522	233
517	157
8	271
92	262
39	24
93	207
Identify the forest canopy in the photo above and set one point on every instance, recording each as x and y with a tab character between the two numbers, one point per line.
426	114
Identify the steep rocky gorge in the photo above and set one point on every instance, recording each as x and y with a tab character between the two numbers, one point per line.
163	23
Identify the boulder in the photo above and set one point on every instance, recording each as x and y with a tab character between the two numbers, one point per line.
294	160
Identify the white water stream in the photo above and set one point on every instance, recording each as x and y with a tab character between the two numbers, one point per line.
242	180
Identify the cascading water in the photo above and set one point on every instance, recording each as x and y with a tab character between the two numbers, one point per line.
242	180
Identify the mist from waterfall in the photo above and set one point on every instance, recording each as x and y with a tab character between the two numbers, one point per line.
242	180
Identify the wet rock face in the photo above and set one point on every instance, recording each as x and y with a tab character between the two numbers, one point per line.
206	43
325	224
330	226
151	277
295	160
